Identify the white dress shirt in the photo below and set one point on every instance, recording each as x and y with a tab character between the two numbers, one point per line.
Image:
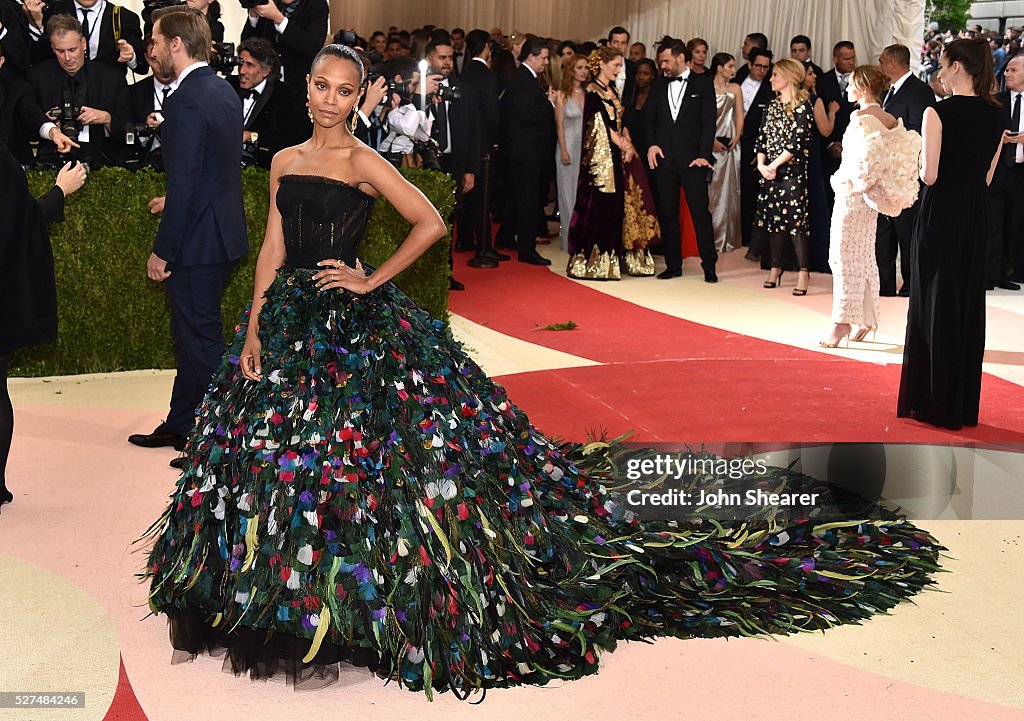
250	102
676	93
1019	155
620	79
749	88
95	24
176	83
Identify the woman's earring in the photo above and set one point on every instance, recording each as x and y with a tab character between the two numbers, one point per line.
355	121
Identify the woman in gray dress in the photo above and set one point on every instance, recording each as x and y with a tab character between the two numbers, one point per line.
724	192
569	123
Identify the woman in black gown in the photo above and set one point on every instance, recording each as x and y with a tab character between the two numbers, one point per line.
945	344
357	488
28	291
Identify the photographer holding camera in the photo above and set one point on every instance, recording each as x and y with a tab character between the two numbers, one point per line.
87	102
148	97
274	116
408	142
297	30
113	34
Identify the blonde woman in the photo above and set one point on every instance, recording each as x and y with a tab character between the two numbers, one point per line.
854	222
783	150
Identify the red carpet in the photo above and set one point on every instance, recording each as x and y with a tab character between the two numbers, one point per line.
674	380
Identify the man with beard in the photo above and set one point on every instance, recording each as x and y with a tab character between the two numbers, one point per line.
202	232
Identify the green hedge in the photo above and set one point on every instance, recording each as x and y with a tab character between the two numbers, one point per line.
112	317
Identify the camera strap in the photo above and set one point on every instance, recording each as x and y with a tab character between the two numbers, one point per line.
117	23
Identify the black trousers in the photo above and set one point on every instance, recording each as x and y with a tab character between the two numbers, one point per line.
527	194
693	182
748	188
894	234
1006	226
194	294
473	215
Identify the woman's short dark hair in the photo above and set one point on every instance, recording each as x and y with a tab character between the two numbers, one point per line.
342	52
476	42
568	44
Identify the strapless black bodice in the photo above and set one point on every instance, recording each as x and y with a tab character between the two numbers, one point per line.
321	218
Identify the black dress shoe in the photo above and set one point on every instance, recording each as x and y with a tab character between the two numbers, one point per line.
710	277
534	259
669	273
1006	284
904	292
455	285
160	437
495	255
178	463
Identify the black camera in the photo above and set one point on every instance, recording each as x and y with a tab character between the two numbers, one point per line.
138	138
223	58
448	93
66	114
250	4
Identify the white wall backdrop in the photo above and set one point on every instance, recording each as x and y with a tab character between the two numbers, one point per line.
870	24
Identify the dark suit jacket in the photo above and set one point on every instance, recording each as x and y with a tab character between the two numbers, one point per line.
301	41
17	106
629	87
278	117
130	30
106	89
464	124
140	95
692	134
203	220
485	84
17	50
829	90
1008	159
529	118
910	101
758	108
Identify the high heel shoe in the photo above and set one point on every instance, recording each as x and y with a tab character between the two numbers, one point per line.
774	283
863	331
798	290
833	341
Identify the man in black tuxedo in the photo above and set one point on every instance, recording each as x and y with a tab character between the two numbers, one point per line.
98	92
1006	193
113	34
906	99
297	30
202	232
474	223
274	116
757	95
529	145
753	40
625	83
459	54
800	49
832	86
455	126
680	117
14	35
148	97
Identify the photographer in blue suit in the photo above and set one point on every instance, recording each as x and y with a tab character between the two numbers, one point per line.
202	233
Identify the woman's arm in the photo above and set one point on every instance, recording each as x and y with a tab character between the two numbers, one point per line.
427	227
560	128
995	161
737	108
931	130
825	120
272	256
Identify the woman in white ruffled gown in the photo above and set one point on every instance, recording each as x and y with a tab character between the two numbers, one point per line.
872	178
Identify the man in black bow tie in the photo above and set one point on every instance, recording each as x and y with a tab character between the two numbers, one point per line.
458	36
680	116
